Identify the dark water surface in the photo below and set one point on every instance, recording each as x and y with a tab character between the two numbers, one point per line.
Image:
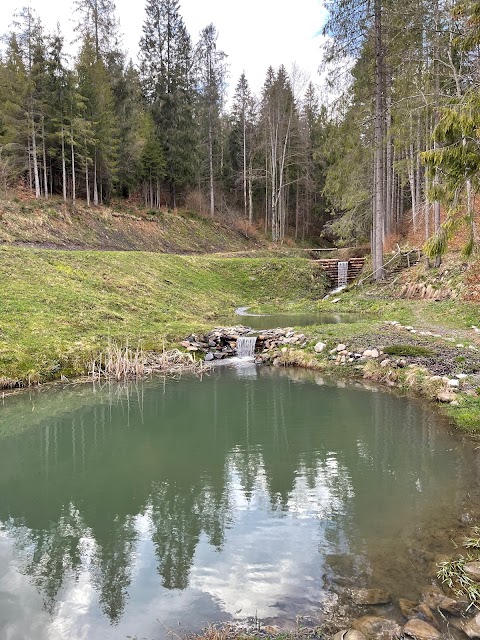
125	510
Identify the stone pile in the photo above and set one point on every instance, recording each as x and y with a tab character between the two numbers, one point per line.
430	619
221	342
342	355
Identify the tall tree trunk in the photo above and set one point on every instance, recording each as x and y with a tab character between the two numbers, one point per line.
244	162
95	185
388	194
436	178
379	168
44	154
30	177
72	149
210	162
87	182
250	193
35	159
64	168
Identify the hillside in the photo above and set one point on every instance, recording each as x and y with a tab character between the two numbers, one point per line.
59	307
121	226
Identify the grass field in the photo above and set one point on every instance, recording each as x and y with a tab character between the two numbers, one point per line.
59	307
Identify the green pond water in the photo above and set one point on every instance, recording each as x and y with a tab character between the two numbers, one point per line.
134	510
274	320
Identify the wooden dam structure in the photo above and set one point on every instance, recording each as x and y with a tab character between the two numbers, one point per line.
341	272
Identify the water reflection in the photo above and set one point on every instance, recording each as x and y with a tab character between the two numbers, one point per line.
200	500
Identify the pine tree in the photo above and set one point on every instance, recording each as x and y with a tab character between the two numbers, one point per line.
166	73
211	89
241	140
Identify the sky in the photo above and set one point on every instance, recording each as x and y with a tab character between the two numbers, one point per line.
253	33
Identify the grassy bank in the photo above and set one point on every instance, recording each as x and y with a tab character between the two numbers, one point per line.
57	307
120	226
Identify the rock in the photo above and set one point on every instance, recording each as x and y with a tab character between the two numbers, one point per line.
370	596
472	570
341	347
349	635
375	628
421	630
453	607
212	343
432	596
209	357
453	383
375	353
462	376
186	343
385	362
367	353
472	627
406	607
218	355
445	396
423	612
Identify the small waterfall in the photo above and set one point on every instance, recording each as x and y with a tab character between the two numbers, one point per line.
246	346
342	274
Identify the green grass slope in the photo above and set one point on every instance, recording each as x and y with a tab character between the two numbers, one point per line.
57	307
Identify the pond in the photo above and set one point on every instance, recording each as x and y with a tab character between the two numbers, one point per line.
137	509
261	322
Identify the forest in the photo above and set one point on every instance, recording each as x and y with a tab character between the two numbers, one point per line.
386	136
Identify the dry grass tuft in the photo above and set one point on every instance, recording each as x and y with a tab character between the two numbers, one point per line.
124	363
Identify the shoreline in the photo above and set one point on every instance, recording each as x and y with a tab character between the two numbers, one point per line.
409	378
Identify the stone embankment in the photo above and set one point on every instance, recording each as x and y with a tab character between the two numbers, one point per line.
424	361
436	616
222	341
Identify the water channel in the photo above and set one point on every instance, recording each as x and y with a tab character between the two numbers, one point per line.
131	510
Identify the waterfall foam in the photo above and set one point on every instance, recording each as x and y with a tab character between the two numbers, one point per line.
342	276
246	346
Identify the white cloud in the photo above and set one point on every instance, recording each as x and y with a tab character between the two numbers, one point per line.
254	33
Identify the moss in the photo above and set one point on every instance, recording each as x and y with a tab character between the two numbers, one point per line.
467	414
408	350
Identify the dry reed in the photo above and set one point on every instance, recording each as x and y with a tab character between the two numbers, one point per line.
124	363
